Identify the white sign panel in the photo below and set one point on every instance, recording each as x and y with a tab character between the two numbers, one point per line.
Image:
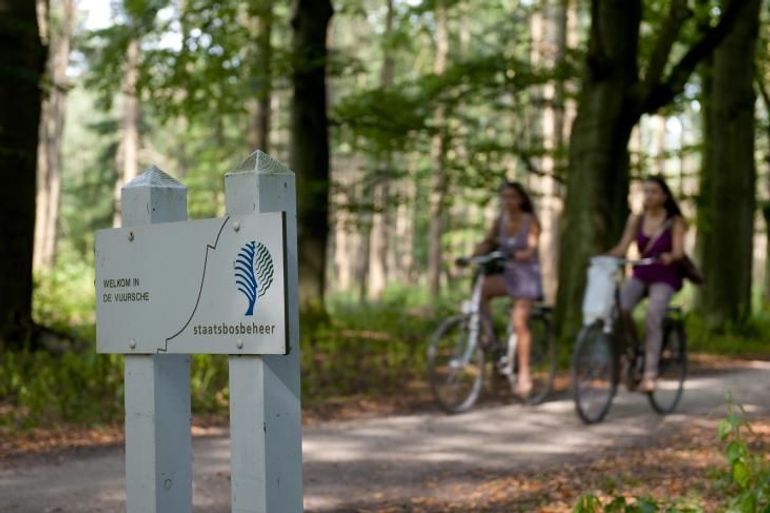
209	286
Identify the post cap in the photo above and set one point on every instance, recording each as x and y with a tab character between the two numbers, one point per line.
154	177
261	162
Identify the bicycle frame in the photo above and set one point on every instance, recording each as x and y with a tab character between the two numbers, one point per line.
473	309
622	337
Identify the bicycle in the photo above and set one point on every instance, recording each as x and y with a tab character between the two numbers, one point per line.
604	339
457	357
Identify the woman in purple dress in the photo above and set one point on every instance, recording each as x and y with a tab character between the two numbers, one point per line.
659	234
515	233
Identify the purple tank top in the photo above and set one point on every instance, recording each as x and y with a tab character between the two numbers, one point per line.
522	279
657	272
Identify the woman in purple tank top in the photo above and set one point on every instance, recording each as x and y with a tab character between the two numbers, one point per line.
515	233
659	234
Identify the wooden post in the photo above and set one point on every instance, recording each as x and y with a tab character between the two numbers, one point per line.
157	386
265	416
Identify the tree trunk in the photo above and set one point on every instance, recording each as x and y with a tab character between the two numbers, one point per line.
659	140
703	200
22	55
401	245
364	217
766	284
259	106
128	152
382	216
439	179
765	95
729	145
51	133
549	39
597	182
309	147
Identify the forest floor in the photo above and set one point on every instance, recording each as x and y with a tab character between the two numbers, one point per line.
402	455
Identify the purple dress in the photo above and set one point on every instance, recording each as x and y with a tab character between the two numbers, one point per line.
522	279
657	272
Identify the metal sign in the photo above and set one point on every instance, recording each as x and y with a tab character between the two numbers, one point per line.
208	286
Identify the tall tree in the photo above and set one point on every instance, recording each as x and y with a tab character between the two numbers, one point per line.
765	95
54	108
438	151
261	14
128	151
22	55
727	224
381	220
309	147
612	99
549	34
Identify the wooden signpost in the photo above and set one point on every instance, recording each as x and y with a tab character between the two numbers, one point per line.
167	288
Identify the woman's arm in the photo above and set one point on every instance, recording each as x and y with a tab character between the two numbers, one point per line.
678	229
629	233
533	239
490	240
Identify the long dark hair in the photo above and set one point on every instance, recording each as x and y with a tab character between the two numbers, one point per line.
526	201
671	206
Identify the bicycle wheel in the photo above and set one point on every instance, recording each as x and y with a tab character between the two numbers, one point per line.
594	373
455	371
672	369
542	358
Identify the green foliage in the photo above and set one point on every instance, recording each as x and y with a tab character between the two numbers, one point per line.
748	474
44	388
619	504
210	392
745	340
367	349
745	484
64	297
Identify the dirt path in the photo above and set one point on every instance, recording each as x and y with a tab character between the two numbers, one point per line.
352	465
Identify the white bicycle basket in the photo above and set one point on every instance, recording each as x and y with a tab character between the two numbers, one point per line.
599	297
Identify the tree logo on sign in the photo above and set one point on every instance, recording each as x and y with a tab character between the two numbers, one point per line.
253	272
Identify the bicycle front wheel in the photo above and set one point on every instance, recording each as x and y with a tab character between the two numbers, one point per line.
455	365
672	369
542	359
593	373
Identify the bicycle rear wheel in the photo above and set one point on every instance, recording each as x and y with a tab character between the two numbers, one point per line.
455	369
594	371
672	369
542	358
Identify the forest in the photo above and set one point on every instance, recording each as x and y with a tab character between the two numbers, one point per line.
400	119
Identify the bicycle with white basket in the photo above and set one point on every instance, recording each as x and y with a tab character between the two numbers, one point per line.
604	338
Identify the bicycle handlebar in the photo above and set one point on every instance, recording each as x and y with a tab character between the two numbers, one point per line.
481	259
627	261
639	261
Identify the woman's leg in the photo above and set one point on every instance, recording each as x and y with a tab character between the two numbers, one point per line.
630	296
522	309
659	298
493	286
